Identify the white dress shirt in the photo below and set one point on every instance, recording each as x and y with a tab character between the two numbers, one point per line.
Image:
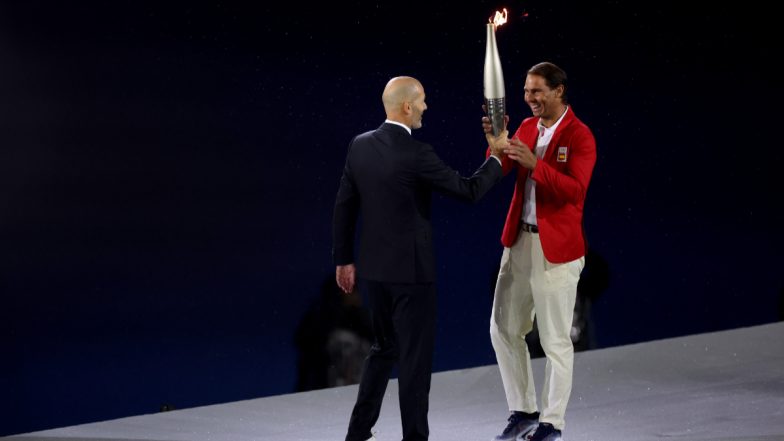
545	135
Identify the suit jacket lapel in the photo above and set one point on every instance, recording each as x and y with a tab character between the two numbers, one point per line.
532	136
554	141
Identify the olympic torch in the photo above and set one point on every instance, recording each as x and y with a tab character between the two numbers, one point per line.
495	95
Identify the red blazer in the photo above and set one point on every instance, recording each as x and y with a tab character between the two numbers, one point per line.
562	178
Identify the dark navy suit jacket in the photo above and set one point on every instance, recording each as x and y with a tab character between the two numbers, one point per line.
387	183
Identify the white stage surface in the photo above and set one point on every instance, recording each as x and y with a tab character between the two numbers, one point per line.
719	386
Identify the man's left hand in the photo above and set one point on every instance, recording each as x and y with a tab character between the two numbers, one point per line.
519	152
345	275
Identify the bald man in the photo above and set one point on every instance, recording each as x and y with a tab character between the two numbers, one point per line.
388	178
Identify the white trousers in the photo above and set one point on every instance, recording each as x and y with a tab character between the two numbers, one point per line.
528	285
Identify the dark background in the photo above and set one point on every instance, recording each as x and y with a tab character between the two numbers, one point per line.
167	175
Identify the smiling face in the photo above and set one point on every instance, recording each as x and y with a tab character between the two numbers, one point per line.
544	102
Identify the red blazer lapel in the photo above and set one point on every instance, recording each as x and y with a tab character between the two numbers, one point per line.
529	136
553	146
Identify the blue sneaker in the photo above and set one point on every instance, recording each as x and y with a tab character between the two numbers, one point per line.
546	432
520	426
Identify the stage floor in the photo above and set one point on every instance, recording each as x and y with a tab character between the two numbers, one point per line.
719	386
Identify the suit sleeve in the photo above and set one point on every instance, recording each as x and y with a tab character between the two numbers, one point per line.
344	218
572	185
443	179
507	164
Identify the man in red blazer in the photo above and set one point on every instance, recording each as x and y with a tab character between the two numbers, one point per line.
544	247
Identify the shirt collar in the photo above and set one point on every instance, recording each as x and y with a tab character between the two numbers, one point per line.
543	129
408	129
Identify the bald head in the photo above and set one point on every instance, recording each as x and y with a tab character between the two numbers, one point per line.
398	91
400	99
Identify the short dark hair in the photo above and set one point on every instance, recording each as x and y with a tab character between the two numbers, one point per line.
553	75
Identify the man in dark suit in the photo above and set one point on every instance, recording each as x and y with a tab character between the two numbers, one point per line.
388	179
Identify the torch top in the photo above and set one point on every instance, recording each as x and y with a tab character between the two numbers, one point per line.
498	19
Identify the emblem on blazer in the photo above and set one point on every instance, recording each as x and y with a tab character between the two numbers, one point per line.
563	153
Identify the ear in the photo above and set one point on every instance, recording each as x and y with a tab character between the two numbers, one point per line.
406	107
559	91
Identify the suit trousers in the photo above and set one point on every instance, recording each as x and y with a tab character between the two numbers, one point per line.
403	319
529	286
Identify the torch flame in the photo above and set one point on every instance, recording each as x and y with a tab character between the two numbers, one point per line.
498	19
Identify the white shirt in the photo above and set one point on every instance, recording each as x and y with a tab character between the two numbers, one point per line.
408	129
545	135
